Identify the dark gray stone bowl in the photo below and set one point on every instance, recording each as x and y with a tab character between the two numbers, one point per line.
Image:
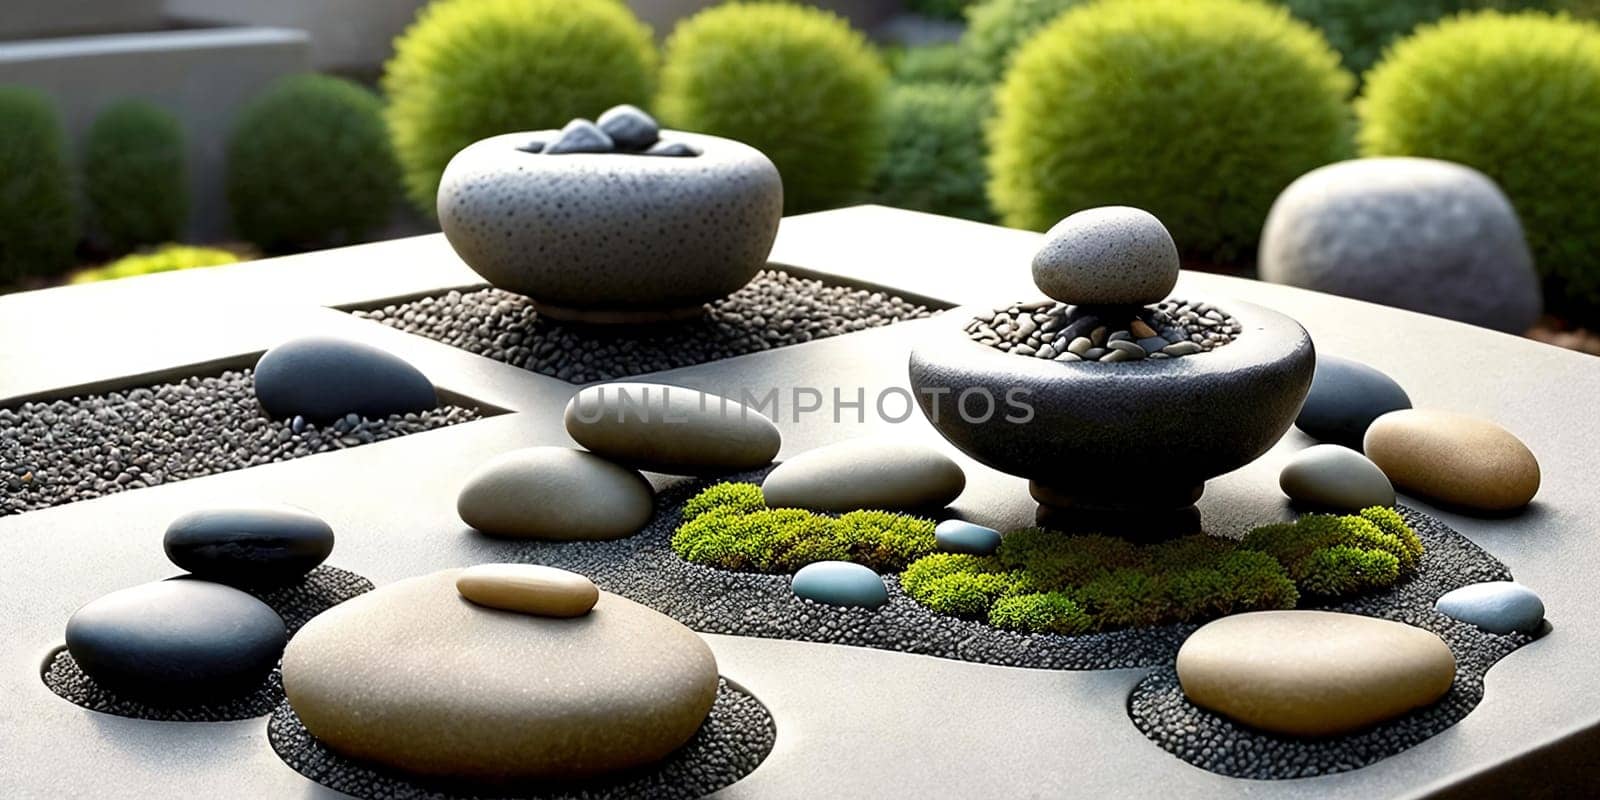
1129	435
612	237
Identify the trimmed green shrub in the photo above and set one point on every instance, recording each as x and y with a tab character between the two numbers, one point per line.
1361	29
795	82
166	258
1199	111
1041	581
470	69
729	526
38	218
133	176
1517	97
997	28
936	63
309	165
936	152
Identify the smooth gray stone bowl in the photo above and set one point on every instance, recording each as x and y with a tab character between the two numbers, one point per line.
612	237
1133	435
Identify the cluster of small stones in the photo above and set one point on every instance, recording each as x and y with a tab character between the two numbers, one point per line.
69	450
1207	740
774	310
1052	330
736	736
321	589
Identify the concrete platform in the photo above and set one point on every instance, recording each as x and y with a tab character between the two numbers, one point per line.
851	722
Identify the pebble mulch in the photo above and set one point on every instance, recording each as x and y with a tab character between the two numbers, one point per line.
1051	330
731	743
52	453
1210	741
774	310
321	589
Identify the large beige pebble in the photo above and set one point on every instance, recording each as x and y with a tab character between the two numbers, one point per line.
555	493
415	677
1313	673
1457	459
671	429
528	588
870	472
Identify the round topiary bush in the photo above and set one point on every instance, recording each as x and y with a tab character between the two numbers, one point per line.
1361	29
309	164
1518	98
133	176
795	82
936	152
936	63
38	219
166	258
1199	111
996	28
470	69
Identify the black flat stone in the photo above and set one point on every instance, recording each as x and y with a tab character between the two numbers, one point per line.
629	127
177	640
323	379
1346	396
249	546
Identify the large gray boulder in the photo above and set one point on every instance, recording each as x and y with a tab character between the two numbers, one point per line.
1415	233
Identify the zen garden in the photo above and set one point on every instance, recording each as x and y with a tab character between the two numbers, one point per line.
537	399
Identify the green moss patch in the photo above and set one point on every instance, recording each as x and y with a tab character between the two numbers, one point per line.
1041	581
730	526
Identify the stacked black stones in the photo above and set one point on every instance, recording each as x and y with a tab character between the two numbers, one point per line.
776	309
621	129
1107	271
205	646
63	451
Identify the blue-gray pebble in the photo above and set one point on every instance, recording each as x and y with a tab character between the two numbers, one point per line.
1496	606
677	149
249	546
323	379
629	127
840	583
182	640
580	136
960	536
1346	396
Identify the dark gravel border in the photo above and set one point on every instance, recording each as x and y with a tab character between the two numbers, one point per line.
63	451
322	589
774	310
1209	741
733	741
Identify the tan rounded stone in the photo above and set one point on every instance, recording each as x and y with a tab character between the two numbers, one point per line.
555	493
1313	673
671	429
1457	459
528	588
870	472
415	677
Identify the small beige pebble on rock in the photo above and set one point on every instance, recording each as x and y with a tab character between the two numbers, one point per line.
1313	673
1457	459
528	588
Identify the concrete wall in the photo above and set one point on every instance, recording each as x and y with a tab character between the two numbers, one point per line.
201	76
346	35
29	19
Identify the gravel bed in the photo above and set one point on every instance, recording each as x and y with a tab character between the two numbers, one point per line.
1212	742
734	739
1050	330
775	309
64	451
322	589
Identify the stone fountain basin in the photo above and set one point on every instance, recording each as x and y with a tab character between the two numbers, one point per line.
1132	433
612	237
